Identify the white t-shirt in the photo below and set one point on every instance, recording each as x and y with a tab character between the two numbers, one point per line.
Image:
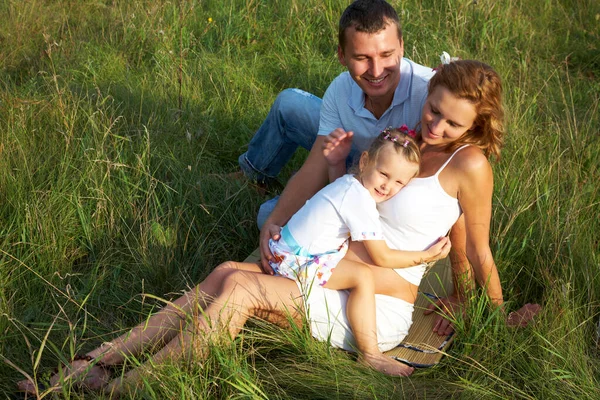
340	210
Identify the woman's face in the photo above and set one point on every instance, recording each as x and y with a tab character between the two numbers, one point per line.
445	117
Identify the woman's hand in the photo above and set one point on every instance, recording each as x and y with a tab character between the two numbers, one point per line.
446	309
337	146
267	232
438	250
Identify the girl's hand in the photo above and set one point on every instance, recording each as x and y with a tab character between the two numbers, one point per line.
438	250
337	146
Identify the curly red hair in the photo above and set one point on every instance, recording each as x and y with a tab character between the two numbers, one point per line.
481	85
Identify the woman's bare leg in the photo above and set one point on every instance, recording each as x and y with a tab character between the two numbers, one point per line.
361	314
159	328
243	294
168	322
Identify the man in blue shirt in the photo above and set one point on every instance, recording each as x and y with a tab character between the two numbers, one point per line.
380	89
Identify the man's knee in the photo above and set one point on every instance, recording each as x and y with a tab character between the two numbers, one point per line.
299	109
265	210
289	98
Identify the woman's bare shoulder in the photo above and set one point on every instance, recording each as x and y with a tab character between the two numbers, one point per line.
470	160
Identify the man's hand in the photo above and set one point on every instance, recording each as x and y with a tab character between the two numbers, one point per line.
438	250
446	309
268	231
337	146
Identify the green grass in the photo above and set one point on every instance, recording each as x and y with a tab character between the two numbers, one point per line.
117	119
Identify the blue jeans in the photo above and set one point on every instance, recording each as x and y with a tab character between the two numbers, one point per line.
265	210
292	121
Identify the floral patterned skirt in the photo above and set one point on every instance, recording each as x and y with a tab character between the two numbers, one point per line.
305	269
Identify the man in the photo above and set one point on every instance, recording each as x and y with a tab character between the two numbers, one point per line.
366	99
380	89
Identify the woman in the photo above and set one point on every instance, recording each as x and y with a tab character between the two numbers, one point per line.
461	126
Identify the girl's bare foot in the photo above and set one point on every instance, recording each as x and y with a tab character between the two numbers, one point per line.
82	373
386	365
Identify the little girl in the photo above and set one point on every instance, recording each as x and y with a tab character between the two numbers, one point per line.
316	238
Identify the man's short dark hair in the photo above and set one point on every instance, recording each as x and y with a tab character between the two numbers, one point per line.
370	16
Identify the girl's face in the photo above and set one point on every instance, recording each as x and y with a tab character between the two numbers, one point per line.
445	117
386	175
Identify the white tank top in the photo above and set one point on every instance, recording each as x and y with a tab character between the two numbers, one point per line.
417	216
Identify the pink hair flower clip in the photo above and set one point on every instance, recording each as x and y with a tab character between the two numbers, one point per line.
387	134
410	132
389	137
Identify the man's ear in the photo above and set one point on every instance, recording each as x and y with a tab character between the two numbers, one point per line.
340	54
401	47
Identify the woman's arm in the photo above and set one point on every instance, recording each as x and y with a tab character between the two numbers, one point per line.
385	257
475	188
462	273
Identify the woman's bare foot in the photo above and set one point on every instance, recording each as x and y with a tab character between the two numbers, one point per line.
523	316
386	365
82	373
114	389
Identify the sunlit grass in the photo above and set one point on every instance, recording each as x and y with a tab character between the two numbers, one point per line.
119	119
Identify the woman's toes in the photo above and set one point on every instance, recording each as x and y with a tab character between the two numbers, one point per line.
26	386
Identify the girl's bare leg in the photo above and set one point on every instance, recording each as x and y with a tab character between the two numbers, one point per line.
243	294
360	311
159	328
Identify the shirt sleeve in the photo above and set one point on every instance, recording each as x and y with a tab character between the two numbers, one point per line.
330	116
359	212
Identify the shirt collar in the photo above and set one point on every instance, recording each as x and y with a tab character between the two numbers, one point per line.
403	88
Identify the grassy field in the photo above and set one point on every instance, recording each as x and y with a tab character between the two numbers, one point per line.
118	120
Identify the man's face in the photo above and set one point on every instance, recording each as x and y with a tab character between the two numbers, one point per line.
373	60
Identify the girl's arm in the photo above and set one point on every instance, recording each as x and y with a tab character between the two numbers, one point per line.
475	190
385	257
